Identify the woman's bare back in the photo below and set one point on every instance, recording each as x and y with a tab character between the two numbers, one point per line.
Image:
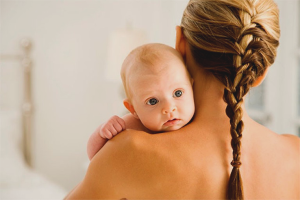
271	164
193	163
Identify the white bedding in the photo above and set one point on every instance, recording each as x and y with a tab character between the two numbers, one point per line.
32	185
17	180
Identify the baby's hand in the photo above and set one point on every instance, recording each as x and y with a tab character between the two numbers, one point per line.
112	127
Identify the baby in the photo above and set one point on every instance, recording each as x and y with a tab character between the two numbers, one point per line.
159	95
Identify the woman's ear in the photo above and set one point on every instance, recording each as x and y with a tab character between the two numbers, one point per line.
180	41
130	108
260	79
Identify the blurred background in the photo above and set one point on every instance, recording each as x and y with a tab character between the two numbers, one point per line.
74	50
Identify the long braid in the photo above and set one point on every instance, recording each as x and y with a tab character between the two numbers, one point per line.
236	40
233	96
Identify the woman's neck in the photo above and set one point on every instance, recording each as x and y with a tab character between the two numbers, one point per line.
208	95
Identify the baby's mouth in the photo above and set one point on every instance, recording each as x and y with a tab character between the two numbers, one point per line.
172	122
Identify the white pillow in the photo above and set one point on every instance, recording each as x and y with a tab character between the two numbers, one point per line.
11	157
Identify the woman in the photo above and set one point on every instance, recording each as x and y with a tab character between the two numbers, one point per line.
228	46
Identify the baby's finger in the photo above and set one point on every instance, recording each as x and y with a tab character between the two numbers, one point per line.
107	134
106	130
102	131
112	130
119	120
122	123
117	127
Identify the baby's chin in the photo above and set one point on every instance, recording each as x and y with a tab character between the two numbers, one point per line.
171	125
164	129
173	128
170	128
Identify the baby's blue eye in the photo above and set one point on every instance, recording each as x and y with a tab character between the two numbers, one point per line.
152	101
178	93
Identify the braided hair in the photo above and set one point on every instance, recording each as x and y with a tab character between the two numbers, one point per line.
236	40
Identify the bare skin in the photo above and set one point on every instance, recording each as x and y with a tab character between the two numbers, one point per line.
194	162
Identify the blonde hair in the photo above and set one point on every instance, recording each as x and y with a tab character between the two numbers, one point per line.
236	40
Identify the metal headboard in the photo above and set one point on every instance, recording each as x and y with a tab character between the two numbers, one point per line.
27	107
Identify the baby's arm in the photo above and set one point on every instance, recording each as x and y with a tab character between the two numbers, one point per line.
104	132
111	128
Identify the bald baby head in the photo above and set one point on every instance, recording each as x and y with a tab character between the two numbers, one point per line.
147	59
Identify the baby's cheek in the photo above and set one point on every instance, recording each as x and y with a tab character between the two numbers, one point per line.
189	111
192	112
151	123
146	121
191	108
191	105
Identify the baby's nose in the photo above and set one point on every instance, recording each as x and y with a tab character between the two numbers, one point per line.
169	109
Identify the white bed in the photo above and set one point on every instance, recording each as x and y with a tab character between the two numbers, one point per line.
18	180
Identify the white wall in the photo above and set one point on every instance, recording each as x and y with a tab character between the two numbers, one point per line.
70	93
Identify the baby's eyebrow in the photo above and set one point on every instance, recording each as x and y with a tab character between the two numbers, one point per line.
145	94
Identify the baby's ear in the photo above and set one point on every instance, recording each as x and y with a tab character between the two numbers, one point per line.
192	81
130	108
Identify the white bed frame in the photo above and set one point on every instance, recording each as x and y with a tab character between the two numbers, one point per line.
27	107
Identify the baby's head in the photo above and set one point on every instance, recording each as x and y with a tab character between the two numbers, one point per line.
158	87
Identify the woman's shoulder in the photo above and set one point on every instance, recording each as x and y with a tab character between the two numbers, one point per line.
111	168
129	145
288	151
291	144
137	165
283	155
287	145
127	165
270	157
275	140
291	140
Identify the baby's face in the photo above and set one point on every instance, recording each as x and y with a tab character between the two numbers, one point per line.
163	100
